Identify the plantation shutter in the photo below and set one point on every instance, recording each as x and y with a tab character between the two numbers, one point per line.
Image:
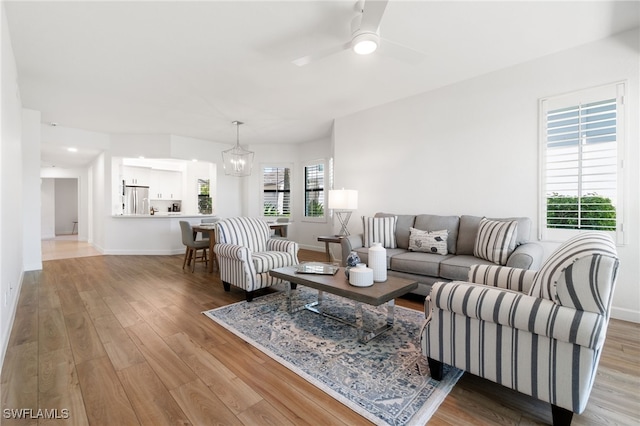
276	191
314	190
581	160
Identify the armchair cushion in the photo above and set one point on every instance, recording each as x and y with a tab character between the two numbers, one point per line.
264	261
502	277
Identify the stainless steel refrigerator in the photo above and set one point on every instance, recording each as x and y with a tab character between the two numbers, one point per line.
136	199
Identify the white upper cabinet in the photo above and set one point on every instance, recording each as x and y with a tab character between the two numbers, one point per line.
140	176
165	185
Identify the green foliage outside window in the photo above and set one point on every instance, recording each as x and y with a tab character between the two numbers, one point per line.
270	210
592	212
315	209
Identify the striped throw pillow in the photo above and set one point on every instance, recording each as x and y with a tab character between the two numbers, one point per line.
496	240
380	230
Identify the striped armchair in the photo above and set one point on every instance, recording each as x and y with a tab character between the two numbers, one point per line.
246	253
540	333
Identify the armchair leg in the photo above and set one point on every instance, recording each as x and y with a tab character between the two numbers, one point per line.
249	295
561	416
436	368
226	285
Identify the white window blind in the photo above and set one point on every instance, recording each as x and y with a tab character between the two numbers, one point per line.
314	176
276	191
582	162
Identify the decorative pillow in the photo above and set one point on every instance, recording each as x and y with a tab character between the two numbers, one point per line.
380	230
428	242
496	240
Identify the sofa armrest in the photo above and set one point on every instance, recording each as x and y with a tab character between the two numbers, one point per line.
502	277
526	256
348	244
520	311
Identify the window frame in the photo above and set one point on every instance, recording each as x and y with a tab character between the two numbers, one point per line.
263	192
572	99
317	219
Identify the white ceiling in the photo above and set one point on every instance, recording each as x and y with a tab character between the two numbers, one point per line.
191	68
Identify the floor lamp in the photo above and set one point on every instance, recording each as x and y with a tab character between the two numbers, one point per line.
343	202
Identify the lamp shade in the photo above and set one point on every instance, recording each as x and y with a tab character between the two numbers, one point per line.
343	199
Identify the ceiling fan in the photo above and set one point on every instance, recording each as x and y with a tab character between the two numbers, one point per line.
365	37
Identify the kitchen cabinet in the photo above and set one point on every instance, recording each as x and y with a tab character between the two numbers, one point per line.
140	176
165	185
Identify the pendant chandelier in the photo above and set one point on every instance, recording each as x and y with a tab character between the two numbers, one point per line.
237	161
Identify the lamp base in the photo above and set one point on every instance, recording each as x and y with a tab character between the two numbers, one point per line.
343	217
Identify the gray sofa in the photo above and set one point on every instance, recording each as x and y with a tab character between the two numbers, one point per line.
427	268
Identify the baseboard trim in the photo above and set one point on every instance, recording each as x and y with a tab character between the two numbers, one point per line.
6	333
625	314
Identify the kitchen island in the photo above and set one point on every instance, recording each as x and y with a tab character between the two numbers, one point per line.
146	234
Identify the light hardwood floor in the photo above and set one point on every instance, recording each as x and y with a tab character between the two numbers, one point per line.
121	340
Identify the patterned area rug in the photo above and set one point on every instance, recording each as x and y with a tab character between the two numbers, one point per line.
386	380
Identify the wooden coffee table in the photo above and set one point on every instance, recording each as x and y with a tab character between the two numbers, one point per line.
376	295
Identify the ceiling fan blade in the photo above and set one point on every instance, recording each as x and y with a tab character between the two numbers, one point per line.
372	14
305	60
401	52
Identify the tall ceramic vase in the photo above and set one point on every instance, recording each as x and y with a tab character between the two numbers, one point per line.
378	262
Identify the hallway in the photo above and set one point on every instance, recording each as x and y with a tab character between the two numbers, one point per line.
65	247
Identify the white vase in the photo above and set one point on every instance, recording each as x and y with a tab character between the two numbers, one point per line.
378	262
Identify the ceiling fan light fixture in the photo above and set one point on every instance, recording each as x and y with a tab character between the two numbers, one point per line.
365	43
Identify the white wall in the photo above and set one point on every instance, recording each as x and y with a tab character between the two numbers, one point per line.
32	250
80	175
472	148
47	212
66	207
294	156
11	221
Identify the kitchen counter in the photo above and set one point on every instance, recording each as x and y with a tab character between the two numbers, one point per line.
146	234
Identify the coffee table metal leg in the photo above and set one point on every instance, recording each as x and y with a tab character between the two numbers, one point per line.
289	287
364	335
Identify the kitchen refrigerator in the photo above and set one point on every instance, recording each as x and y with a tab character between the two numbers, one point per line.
135	199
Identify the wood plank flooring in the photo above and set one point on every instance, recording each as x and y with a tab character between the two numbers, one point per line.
120	340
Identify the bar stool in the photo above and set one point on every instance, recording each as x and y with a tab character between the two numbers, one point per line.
192	246
75	225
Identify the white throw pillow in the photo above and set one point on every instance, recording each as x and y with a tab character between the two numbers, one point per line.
428	241
496	240
380	230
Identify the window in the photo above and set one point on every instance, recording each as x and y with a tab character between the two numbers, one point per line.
276	191
314	183
582	162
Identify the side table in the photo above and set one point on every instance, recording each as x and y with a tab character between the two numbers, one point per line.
329	239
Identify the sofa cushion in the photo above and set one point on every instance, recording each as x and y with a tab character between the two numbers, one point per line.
457	268
404	222
468	230
428	241
429	222
379	230
496	240
418	263
363	254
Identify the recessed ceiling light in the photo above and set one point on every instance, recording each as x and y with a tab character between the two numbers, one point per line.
195	160
72	149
